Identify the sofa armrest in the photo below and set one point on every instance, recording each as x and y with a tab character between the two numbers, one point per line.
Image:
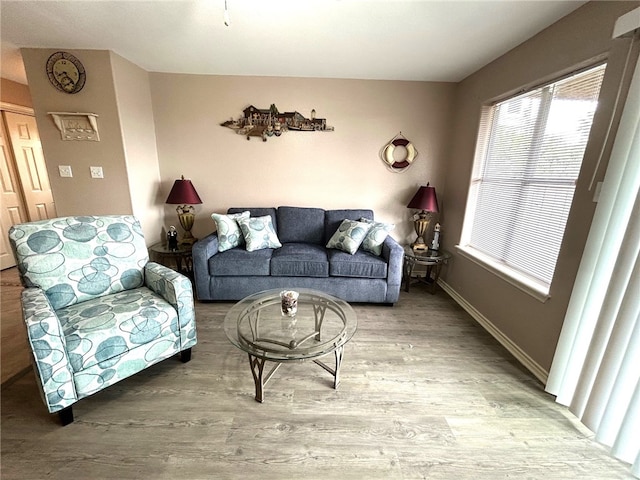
176	289
49	348
393	253
202	251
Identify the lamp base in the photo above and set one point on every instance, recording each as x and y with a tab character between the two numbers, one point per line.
419	247
421	225
188	240
186	222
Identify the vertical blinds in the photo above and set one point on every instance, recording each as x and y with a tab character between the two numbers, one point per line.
528	159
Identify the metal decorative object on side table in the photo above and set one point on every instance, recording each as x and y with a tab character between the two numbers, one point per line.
432	259
180	257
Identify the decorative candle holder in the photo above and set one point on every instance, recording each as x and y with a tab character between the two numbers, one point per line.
289	303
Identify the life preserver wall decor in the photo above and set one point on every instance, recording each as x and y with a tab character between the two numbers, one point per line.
388	156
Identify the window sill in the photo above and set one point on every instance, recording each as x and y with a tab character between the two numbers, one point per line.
527	285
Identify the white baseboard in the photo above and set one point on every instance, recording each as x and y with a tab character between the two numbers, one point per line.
520	355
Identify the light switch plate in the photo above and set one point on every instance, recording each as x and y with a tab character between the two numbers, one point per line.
65	170
96	172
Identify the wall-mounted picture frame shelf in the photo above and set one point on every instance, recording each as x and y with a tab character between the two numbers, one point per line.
76	126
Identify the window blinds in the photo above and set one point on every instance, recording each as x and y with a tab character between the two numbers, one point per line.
528	158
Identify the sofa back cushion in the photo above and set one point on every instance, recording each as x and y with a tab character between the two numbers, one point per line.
258	212
333	219
74	259
301	225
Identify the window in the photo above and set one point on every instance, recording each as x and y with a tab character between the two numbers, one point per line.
529	153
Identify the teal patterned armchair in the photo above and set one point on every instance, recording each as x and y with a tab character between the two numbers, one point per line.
96	310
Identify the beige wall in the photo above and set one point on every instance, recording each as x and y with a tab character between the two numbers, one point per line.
81	195
15	93
578	39
339	169
133	95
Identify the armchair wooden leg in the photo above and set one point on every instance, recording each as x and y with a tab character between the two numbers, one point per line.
185	355
66	416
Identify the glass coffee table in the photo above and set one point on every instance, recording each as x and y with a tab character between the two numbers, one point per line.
322	325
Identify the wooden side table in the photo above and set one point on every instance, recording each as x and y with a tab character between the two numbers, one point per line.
432	259
180	258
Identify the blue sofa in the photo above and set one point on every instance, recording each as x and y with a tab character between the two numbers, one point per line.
303	261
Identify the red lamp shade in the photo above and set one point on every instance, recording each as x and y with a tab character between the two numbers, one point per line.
425	199
183	192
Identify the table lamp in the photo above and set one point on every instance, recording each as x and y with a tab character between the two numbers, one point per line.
183	192
426	201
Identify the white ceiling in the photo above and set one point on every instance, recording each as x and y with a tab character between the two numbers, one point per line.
361	39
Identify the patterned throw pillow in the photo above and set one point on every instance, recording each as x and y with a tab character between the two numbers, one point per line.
349	236
376	236
259	233
229	234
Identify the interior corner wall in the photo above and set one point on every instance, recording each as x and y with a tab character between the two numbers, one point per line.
336	169
15	93
81	194
529	326
133	95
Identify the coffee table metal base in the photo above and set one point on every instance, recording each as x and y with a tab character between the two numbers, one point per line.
260	380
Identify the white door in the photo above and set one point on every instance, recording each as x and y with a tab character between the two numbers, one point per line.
12	210
26	192
32	169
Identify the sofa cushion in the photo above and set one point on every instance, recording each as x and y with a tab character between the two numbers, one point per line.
296	224
376	236
229	234
349	236
300	260
239	262
361	265
258	233
333	219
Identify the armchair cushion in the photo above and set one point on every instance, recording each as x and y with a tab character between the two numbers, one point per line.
74	259
101	330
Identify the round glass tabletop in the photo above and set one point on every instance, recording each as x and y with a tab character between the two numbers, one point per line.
321	324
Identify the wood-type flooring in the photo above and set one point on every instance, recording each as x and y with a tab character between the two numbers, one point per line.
425	393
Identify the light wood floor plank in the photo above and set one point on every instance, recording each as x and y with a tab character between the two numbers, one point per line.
425	393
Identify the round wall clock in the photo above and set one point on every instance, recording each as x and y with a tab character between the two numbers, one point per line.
66	72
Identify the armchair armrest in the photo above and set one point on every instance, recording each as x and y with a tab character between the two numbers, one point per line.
201	252
49	347
176	289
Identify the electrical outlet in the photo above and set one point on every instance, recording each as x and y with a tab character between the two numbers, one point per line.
65	170
96	172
